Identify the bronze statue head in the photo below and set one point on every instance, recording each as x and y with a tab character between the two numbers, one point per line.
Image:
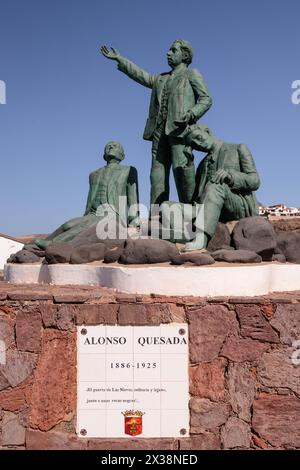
187	50
181	51
113	152
199	137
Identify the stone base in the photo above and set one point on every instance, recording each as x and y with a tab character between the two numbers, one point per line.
204	281
244	377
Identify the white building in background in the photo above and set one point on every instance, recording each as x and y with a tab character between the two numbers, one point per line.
8	246
279	210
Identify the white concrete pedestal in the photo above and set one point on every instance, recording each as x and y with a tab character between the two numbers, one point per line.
203	281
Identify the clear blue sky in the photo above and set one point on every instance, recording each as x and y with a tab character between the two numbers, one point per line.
65	101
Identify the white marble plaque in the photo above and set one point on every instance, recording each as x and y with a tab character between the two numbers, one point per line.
132	381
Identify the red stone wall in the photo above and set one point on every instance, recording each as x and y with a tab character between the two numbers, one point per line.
245	389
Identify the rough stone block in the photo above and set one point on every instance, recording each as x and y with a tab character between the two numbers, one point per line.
286	320
150	314
4	383
54	389
207	415
194	258
147	251
242	388
70	298
256	234
235	433
254	325
58	253
66	315
276	419
13	399
49	315
277	370
236	256
28	331
207	380
241	350
88	253
96	314
126	298
19	365
209	327
28	294
13	433
220	238
289	245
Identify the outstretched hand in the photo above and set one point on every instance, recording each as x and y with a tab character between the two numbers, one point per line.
110	52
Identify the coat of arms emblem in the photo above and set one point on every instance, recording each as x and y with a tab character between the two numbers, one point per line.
133	422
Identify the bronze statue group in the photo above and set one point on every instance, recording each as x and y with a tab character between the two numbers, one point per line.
222	189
